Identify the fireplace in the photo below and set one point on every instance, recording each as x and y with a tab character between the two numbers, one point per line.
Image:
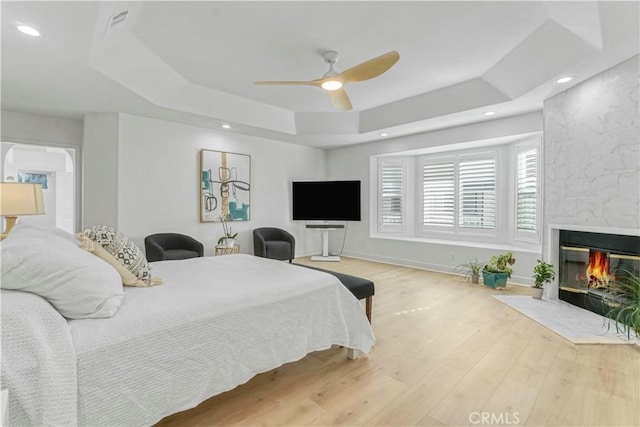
589	263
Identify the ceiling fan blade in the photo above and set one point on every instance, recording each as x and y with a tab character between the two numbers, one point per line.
370	69
340	100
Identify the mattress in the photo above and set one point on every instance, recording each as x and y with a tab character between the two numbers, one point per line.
214	324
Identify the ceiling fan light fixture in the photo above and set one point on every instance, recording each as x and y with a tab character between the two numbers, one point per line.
332	85
30	31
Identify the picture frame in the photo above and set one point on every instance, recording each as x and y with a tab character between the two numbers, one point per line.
225	186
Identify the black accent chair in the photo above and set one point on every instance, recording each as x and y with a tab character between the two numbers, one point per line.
170	246
274	243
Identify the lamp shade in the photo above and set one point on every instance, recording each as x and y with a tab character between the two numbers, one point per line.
21	199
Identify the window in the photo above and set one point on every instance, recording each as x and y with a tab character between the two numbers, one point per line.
438	189
391	200
526	209
487	193
459	193
477	193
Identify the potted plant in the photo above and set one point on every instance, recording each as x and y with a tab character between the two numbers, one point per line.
229	237
498	270
542	273
622	298
471	269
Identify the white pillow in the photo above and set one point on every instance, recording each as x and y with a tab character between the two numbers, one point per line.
50	228
77	283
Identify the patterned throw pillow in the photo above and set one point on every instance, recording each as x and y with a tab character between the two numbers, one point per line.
124	250
128	278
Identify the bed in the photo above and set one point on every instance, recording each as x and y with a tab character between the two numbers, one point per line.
212	325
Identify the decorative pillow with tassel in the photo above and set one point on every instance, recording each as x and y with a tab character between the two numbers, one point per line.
118	250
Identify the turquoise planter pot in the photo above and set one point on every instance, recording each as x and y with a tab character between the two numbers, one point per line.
495	280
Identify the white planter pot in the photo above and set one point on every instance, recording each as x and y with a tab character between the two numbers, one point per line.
229	243
537	293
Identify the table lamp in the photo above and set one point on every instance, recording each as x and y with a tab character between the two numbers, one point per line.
19	199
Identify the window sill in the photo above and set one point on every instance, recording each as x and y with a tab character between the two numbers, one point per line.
526	248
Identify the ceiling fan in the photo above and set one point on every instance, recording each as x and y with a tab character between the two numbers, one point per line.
333	82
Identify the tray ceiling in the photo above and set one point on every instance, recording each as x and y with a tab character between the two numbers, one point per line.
196	62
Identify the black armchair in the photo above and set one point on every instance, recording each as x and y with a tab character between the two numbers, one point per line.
274	243
169	246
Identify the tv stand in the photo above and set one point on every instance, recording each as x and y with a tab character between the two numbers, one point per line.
324	229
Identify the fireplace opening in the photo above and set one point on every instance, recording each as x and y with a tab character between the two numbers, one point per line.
598	269
591	264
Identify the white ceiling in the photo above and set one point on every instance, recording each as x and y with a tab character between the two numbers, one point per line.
196	62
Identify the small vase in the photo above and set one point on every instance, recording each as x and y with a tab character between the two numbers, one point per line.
475	278
229	243
537	293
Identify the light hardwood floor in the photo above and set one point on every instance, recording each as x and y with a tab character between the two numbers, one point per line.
447	353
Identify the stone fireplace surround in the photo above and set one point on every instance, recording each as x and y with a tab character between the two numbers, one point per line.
591	164
591	159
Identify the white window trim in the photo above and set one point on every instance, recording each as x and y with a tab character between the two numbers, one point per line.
428	231
386	228
434	229
506	176
522	235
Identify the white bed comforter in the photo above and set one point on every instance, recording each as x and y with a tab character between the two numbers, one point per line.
38	362
214	324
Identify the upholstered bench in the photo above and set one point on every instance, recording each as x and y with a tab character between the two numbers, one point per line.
359	287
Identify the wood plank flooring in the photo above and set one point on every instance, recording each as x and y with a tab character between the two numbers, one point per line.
447	354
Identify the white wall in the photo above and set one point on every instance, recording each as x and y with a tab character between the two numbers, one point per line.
36	129
158	181
353	163
100	170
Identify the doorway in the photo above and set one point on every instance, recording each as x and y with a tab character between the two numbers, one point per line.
54	168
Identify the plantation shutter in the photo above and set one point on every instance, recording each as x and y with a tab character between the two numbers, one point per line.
526	190
391	200
438	189
477	193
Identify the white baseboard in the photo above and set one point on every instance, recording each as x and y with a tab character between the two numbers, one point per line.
438	268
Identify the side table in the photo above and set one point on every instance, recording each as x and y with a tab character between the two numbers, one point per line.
225	250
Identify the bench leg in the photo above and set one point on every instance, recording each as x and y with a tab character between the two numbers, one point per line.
368	307
353	354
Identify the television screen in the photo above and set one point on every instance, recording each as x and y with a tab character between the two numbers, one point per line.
326	200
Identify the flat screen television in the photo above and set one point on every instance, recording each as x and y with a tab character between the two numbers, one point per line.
326	200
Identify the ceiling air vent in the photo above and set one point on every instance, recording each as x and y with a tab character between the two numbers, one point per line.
117	20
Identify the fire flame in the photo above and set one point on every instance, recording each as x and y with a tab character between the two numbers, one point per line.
598	269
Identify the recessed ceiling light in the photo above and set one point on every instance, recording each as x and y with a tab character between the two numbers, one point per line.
28	30
564	79
489	113
226	126
384	134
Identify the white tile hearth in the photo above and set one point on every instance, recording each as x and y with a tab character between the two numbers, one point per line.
570	322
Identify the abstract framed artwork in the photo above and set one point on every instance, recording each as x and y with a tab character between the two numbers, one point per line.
33	178
225	186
